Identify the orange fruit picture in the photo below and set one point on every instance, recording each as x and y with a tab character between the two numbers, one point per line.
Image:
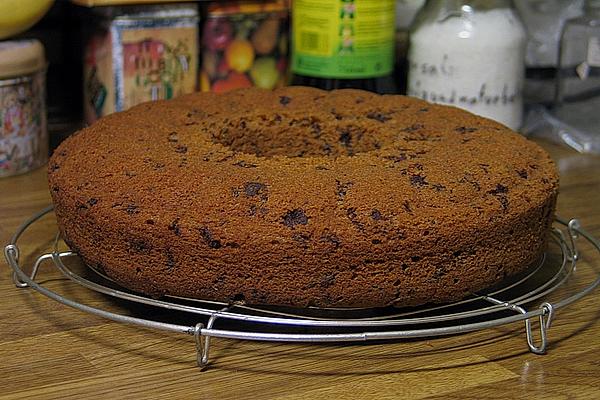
239	55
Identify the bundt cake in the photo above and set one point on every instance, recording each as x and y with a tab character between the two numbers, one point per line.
302	197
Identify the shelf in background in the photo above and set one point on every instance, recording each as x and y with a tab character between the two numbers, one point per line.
95	3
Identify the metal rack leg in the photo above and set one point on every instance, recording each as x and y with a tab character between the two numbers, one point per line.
201	348
546	310
573	227
11	251
203	340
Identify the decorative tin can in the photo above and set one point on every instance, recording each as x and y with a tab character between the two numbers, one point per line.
138	54
245	43
23	129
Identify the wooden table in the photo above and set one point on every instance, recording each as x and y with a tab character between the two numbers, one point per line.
48	350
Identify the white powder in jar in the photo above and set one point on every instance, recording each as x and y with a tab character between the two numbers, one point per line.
473	61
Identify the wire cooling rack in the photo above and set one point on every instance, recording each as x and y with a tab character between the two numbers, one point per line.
520	298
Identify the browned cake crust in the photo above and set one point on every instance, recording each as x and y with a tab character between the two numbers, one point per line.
303	197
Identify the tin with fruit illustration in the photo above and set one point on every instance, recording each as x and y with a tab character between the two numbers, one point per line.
245	44
23	130
139	53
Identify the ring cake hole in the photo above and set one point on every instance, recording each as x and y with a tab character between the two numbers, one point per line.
276	135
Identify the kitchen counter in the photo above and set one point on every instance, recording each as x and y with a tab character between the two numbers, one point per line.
48	350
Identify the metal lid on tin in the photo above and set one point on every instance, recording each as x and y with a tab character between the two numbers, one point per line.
21	57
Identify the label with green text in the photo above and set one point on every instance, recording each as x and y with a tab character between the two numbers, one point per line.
343	38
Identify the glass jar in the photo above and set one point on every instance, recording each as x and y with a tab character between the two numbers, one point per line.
544	21
469	54
578	79
579	56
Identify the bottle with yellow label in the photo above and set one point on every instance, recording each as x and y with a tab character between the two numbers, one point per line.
343	43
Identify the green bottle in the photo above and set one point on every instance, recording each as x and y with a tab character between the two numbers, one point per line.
343	44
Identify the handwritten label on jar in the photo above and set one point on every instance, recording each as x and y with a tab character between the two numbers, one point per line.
494	94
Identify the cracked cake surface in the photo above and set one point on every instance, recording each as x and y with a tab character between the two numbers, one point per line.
303	197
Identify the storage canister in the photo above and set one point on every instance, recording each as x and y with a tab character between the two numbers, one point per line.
245	43
23	129
135	54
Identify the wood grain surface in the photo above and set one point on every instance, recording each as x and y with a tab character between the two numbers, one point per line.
48	350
